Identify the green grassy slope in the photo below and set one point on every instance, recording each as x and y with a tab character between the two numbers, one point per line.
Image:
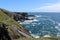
3	17
52	38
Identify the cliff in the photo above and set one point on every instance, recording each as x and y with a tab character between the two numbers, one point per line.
12	28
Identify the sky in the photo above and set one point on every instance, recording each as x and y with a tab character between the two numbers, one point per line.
31	5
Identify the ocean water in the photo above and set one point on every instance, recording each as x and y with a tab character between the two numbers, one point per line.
44	23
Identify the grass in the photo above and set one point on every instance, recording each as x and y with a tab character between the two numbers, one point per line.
3	17
38	38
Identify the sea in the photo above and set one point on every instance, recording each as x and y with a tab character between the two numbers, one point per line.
45	23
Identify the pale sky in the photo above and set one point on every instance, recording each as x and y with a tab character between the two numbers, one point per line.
31	5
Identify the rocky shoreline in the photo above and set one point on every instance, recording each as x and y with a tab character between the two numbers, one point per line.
23	16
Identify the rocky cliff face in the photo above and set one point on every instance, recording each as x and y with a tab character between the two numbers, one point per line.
13	30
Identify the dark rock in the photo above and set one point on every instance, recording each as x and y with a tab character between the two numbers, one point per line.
3	32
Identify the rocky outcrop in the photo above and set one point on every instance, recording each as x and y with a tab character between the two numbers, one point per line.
23	16
4	35
13	29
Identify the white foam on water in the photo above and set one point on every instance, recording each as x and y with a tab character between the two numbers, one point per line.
35	36
18	21
28	21
24	23
38	23
52	21
38	15
57	27
48	18
29	31
35	20
31	17
58	24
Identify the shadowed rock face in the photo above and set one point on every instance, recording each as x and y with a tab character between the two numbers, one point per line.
3	32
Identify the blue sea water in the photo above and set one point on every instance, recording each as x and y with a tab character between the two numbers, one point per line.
45	23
